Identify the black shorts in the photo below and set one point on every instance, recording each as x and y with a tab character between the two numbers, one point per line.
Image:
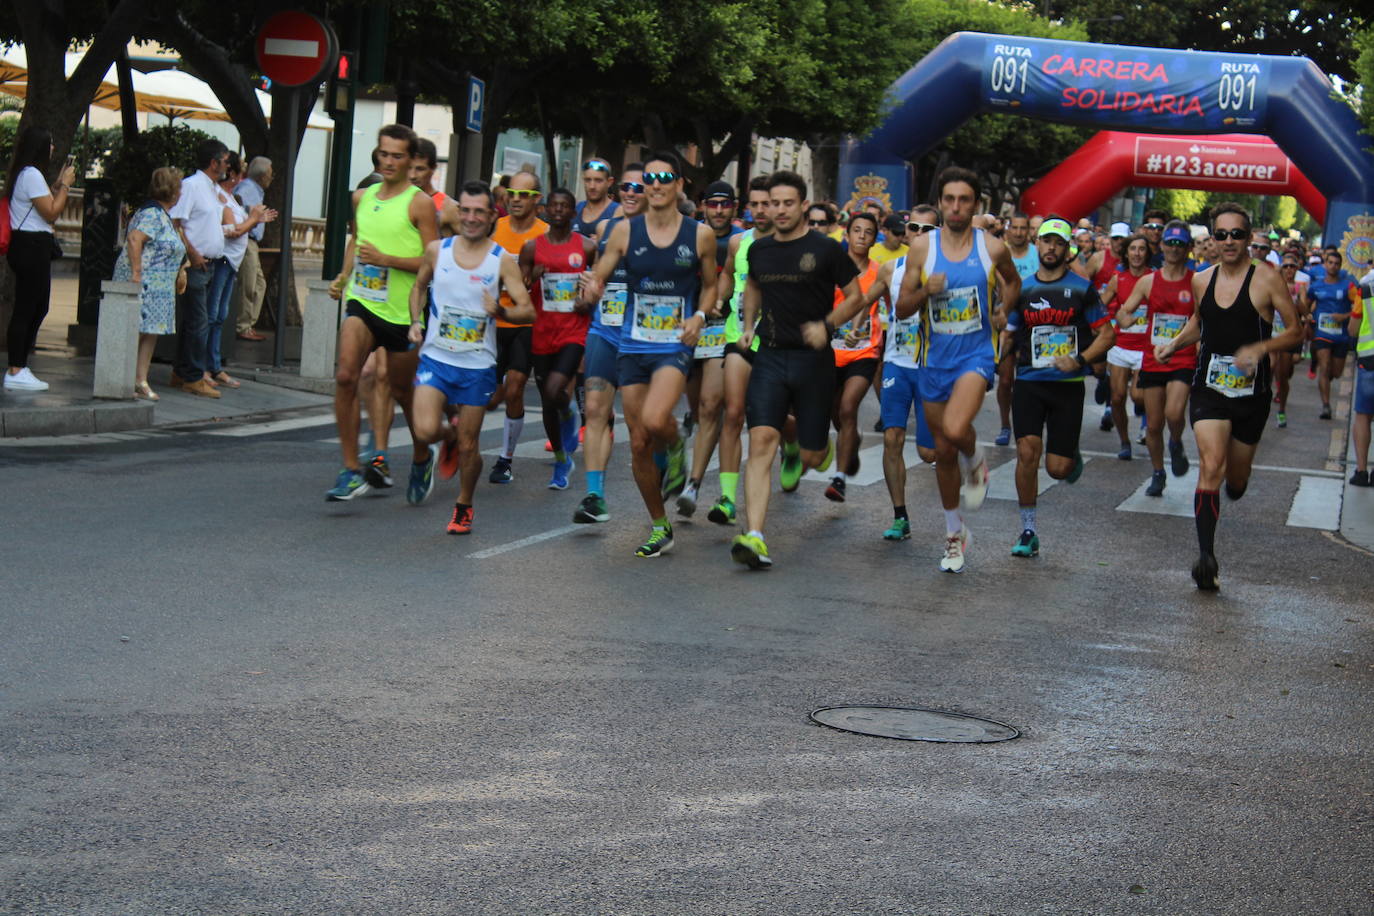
859	368
513	348
1247	415
800	382
1161	379
1338	350
746	355
1052	411
390	337
564	362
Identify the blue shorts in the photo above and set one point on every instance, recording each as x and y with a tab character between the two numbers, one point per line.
463	387
938	384
638	368
902	391
600	359
1364	391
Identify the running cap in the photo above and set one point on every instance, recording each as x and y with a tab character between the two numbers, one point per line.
720	189
1121	230
1059	227
894	223
1177	234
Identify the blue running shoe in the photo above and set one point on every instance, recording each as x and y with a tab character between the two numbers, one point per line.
1003	437
567	429
349	485
561	470
422	478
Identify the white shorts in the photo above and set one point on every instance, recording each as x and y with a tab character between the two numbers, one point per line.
1126	359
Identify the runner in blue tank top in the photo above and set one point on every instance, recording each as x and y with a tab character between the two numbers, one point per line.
959	342
669	261
597	180
603	349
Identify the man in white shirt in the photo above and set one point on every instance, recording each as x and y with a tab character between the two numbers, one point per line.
252	285
199	217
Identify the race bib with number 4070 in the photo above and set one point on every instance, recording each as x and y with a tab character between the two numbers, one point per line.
1224	376
1049	342
711	341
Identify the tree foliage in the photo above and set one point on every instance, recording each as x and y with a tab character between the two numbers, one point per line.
130	166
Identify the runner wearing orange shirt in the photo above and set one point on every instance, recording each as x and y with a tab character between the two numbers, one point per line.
856	343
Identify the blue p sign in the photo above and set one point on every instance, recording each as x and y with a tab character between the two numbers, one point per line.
477	92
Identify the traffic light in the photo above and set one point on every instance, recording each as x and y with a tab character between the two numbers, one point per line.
338	87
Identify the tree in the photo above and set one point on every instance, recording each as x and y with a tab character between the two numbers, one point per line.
1364	74
1182	203
1285	212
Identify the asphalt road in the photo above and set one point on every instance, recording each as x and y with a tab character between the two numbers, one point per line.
219	694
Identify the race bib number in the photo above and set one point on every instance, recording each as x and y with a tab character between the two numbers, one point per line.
840	337
956	311
711	342
1224	376
461	331
611	310
1049	342
369	282
560	292
1139	326
658	319
1165	328
1279	326
1329	323
906	337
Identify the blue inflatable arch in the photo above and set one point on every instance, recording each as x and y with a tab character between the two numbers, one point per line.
1127	88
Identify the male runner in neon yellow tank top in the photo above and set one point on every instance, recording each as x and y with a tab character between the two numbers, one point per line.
394	222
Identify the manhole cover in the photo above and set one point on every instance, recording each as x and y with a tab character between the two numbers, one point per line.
911	724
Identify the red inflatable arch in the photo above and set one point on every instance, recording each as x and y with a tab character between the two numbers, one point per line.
1113	160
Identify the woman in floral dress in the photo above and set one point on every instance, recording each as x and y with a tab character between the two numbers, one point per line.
152	256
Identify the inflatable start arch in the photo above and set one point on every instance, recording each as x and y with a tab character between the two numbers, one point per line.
1127	88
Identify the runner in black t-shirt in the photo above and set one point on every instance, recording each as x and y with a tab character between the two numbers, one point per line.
793	275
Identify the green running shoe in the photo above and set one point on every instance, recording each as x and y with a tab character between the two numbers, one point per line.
723	512
751	551
1077	471
422	478
790	473
829	456
675	477
349	485
660	542
592	510
1028	545
900	530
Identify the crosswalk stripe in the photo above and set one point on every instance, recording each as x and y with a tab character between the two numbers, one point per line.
1317	504
1177	499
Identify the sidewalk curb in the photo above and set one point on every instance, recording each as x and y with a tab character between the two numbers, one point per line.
285	378
97	417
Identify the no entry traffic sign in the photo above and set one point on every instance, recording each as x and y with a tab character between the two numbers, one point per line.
295	48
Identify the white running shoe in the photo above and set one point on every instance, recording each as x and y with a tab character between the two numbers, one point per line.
975	486
24	380
955	545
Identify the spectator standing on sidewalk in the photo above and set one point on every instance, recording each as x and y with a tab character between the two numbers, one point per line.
252	286
238	222
152	256
199	217
34	207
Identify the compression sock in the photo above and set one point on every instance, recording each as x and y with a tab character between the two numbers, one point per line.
729	484
596	483
560	455
511	437
1027	518
1206	510
899	512
954	523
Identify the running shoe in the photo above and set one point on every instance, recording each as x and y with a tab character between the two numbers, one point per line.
829	456
448	459
955	545
1106	423
790	471
1027	545
878	425
675	476
1157	481
1140	439
1311	373
422	479
1205	573
689	423
1125	453
660	542
561	470
852	467
975	487
1359	479
900	530
687	502
1178	461
835	492
548	445
592	510
501	471
1103	392
568	429
1283	420
1326	412
1077	470
1003	437
461	523
723	512
350	484
750	551
378	472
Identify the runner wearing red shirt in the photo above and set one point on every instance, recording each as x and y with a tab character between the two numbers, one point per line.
1124	359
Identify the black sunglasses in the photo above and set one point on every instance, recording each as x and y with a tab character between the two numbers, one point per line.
632	187
596	165
819	222
1222	235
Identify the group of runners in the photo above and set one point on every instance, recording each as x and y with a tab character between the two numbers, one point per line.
784	329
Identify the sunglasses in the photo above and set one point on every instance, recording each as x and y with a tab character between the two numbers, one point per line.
632	187
1236	235
660	177
920	228
1259	245
522	192
719	204
596	165
819	222
1289	265
1176	243
1155	226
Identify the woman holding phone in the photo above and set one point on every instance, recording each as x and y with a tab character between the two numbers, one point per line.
34	207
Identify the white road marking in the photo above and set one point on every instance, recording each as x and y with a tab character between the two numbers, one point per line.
1002	480
1177	499
272	426
1317	504
523	542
